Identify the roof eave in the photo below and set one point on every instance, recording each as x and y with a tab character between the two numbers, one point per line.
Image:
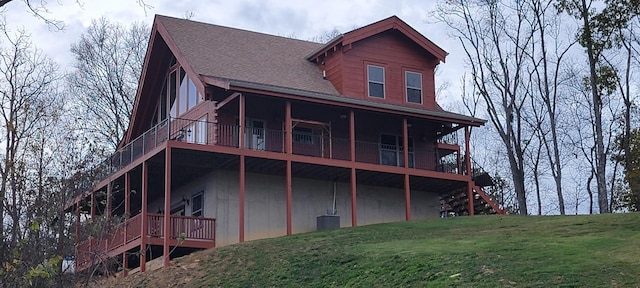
395	23
453	117
324	48
141	79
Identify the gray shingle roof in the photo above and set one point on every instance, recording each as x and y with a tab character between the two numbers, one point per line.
235	54
267	62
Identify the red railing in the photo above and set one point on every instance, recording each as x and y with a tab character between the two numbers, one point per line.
155	225
262	139
84	253
134	226
193	228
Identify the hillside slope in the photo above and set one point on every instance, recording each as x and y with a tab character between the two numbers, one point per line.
481	251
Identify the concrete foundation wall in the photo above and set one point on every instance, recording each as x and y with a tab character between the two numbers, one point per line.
265	204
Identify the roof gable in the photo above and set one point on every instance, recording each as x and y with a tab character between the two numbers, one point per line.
223	56
391	23
224	53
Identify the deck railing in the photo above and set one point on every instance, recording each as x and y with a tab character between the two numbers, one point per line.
263	139
182	227
185	227
451	138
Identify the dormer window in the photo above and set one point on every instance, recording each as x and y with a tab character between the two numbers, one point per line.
375	75
413	81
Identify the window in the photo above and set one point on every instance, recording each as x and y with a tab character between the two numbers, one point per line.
197	204
182	105
414	87
193	98
302	135
172	95
375	75
182	93
163	102
392	150
201	131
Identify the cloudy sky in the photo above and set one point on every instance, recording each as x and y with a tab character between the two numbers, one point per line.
300	19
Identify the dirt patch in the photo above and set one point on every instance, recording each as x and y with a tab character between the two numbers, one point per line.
181	273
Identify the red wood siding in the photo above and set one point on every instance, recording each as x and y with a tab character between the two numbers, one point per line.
333	68
391	50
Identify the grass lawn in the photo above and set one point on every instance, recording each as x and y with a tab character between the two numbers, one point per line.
480	251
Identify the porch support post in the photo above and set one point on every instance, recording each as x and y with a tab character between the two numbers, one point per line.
288	129
354	212
78	219
77	227
93	205
469	170
241	115
289	196
407	186
93	215
127	204
143	229
167	205
352	150
352	136
109	196
289	151
127	210
241	201
241	121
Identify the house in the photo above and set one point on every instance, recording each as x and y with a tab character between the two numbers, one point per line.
238	135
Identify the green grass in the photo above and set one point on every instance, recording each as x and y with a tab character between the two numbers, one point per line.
482	251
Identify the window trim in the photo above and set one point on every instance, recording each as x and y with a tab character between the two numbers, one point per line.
201	130
369	81
192	90
303	137
407	87
201	210
398	151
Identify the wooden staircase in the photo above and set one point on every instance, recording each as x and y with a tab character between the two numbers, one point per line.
457	201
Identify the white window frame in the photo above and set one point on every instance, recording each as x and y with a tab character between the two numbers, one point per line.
303	137
398	150
201	210
407	87
369	81
201	130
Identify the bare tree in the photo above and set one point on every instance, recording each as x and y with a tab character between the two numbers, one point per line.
597	34
326	36
108	62
494	38
546	74
39	9
28	93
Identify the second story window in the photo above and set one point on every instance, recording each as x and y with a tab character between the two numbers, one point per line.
375	75
302	135
414	87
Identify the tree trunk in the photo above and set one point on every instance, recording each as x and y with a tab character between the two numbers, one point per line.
601	157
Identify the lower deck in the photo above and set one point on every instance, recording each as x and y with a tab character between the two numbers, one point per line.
126	238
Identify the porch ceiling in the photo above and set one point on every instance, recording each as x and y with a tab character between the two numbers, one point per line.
191	164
